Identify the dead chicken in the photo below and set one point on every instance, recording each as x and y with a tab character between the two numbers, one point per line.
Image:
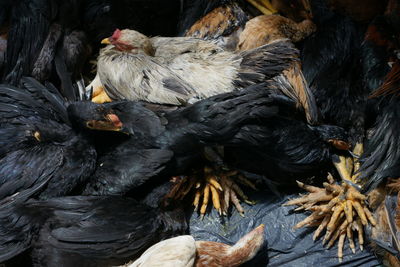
184	251
177	70
338	208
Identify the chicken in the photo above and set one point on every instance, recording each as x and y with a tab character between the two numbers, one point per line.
263	29
39	143
168	142
381	158
47	43
172	70
184	251
86	230
222	24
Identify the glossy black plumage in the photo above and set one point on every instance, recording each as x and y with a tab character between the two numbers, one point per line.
331	65
170	142
285	147
39	43
381	158
38	142
85	231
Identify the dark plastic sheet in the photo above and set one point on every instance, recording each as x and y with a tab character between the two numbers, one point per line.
284	246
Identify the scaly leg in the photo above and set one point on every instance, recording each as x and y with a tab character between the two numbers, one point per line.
339	209
219	185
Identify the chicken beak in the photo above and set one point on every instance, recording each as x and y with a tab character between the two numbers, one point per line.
103	126
106	41
111	123
264	6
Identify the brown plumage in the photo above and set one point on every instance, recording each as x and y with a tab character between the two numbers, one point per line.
214	254
222	23
264	29
184	251
389	85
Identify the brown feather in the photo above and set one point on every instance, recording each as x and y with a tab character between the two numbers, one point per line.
391	84
219	22
265	29
213	254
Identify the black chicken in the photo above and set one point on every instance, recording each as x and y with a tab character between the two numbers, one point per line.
330	63
87	230
382	74
38	142
168	141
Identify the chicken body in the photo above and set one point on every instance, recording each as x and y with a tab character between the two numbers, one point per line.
155	70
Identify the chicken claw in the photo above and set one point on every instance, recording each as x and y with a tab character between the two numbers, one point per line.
339	209
205	200
215	184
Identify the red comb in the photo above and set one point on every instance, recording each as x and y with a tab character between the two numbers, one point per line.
116	34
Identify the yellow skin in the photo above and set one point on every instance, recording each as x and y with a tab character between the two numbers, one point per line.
219	187
340	209
100	96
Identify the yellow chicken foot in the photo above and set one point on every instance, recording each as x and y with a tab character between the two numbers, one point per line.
217	185
101	97
339	209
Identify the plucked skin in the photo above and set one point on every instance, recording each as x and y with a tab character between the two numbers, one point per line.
169	142
154	70
38	142
85	231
